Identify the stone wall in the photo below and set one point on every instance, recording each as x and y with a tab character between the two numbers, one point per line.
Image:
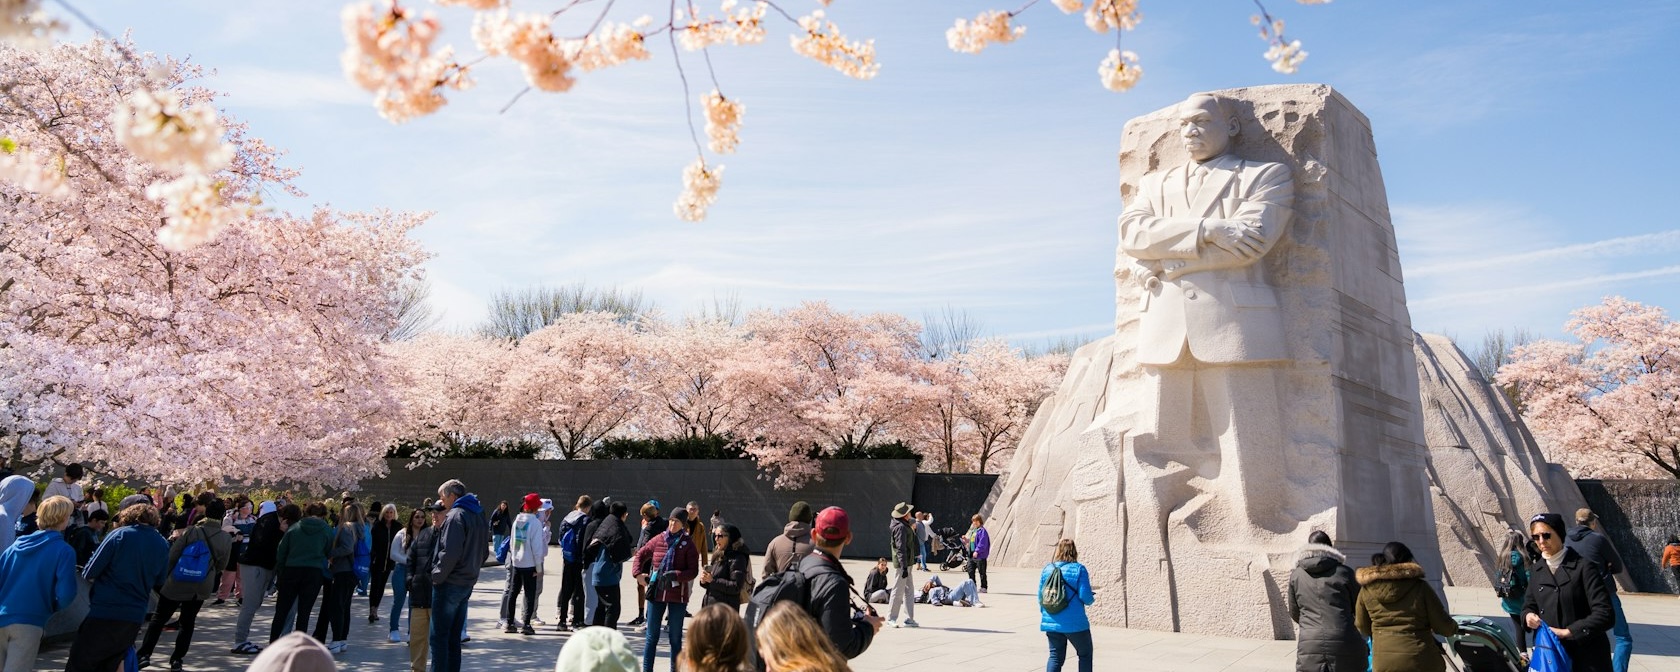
1638	516
952	498
866	489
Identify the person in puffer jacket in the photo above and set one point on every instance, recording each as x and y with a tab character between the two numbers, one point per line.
37	578
1322	594
666	565
1070	625
1401	613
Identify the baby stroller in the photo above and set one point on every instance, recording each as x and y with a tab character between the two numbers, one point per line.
1484	646
956	552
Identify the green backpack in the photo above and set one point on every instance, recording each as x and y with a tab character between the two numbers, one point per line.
1055	595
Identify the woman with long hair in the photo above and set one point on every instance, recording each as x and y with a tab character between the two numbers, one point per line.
789	640
380	566
1069	625
725	574
417	520
239	522
335	608
1513	562
1400	612
717	641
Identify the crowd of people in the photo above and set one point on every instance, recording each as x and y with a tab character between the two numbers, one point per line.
152	564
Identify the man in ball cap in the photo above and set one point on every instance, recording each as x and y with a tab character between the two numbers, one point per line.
1596	549
830	587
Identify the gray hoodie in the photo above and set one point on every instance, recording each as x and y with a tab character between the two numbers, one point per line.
14	496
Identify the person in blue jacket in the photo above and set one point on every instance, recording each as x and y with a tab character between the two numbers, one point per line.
132	562
37	578
1069	624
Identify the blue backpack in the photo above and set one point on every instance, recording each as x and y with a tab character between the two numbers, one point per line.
362	561
571	539
194	563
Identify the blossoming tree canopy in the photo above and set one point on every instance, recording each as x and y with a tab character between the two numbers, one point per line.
1608	406
252	357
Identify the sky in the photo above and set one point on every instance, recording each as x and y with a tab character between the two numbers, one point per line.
1522	147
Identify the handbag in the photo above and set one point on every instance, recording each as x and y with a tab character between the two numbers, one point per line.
1547	654
604	572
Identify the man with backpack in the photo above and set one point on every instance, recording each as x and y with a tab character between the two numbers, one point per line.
193	559
571	572
830	587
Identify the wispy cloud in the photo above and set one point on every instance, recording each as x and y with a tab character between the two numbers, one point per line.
1650	243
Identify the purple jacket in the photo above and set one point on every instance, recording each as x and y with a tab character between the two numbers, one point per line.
982	544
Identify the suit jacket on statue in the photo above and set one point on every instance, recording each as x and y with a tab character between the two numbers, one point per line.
1214	301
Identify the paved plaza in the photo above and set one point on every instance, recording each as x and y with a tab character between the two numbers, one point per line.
1003	636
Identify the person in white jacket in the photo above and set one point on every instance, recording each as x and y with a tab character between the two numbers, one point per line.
526	552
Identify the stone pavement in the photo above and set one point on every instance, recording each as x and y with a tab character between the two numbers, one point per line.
1004	636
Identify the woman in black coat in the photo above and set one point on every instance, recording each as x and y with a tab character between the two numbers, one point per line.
1567	594
726	574
1322	594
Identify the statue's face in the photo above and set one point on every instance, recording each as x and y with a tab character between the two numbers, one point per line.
1206	132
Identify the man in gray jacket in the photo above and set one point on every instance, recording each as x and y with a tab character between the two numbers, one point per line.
903	558
461	544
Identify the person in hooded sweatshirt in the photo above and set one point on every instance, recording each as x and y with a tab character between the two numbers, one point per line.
37	578
256	569
461	542
1322	592
591	599
794	543
526	553
188	596
571	602
1398	610
15	493
298	563
610	547
1596	549
131	563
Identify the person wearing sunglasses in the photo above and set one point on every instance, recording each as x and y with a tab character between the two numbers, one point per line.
1567	594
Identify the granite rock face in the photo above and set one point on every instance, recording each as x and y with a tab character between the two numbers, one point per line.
1183	538
1486	472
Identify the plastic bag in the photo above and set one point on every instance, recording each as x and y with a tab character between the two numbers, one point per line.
1547	654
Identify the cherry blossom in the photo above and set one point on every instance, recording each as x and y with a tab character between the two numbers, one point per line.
389	52
578	381
700	186
192	208
970	37
744	26
1607	406
1069	6
1119	71
24	24
723	122
31	171
1105	15
822	42
159	128
610	45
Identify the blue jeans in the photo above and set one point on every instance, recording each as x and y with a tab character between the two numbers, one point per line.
1624	639
399	593
670	615
449	619
1058	649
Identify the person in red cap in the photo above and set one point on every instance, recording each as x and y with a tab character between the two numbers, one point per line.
526	552
830	586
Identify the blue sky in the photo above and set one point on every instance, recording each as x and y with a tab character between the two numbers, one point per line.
1524	147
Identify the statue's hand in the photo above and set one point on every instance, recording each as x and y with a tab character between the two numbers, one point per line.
1239	238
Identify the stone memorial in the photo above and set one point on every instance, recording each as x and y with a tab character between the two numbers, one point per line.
1260	384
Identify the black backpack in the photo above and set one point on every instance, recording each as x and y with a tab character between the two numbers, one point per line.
1508	584
790	585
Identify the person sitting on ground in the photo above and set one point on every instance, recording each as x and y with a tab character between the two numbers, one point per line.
789	640
1398	610
596	649
875	584
1322	591
717	640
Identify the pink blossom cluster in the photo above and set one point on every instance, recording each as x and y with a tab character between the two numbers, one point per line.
254	357
1608	405
1105	15
1119	71
159	127
23	23
822	42
32	171
611	44
744	26
700	186
192	208
783	381
970	37
723	122
389	52
1285	55
527	39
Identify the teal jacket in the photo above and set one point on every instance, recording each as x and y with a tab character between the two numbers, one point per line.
1072	617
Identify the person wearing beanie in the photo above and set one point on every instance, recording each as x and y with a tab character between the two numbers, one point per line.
596	650
785	551
1567	594
1596	549
666	566
295	652
526	553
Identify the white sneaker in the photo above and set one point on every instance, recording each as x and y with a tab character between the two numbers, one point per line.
338	647
911	623
396	637
892	624
501	623
979	605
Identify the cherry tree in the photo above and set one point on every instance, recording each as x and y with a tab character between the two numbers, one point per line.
694	384
577	381
451	387
253	357
1607	406
1003	389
